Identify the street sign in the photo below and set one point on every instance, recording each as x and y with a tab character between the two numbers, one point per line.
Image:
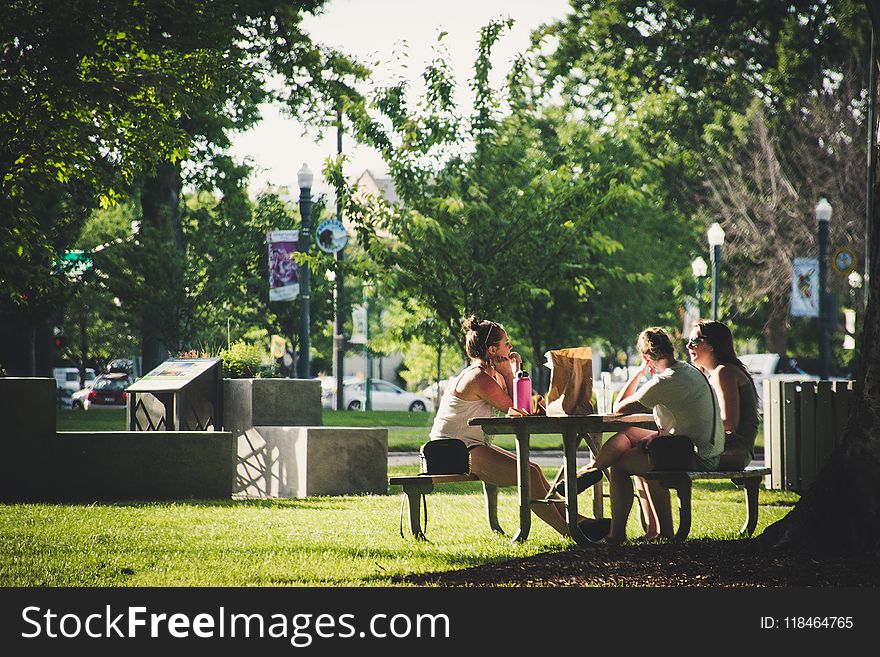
331	236
844	261
73	263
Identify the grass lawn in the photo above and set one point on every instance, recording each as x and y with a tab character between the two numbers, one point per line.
322	541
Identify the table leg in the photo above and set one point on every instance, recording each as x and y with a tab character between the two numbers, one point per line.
594	441
570	441
522	481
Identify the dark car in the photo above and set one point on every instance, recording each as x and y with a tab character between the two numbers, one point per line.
106	391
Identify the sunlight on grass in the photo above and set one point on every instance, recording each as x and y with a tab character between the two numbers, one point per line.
326	541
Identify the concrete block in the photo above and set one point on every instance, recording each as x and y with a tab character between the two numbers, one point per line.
142	465
28	414
271	402
305	461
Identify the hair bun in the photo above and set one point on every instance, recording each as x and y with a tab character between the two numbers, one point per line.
471	323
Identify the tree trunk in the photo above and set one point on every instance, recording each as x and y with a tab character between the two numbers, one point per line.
840	513
776	328
160	203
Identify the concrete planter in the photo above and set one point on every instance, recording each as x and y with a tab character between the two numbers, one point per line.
284	451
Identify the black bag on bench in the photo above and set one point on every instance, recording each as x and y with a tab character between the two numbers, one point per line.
671	453
444	456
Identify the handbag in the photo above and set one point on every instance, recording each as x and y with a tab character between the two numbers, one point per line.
676	452
444	456
671	452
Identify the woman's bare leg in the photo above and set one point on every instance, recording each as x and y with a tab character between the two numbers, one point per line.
650	522
632	462
662	505
497	466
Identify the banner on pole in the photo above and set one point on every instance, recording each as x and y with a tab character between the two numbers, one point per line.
805	287
283	271
359	324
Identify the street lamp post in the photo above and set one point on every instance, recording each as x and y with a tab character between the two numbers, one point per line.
337	339
368	355
823	217
305	178
716	239
699	268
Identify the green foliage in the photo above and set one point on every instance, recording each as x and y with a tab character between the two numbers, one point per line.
686	80
242	360
528	218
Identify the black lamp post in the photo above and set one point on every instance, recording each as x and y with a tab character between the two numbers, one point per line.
716	239
823	217
699	268
368	355
305	178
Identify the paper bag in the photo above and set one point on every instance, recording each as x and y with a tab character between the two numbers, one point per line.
571	381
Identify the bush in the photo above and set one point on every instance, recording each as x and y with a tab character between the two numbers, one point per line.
246	361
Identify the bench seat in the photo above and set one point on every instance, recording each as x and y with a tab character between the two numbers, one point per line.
749	480
415	486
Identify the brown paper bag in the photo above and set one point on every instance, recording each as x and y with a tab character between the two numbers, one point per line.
571	381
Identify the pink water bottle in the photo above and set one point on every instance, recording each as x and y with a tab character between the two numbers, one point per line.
522	392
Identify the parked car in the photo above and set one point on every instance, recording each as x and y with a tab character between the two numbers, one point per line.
384	396
106	391
67	382
430	391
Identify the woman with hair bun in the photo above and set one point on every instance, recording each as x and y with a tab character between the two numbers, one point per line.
483	387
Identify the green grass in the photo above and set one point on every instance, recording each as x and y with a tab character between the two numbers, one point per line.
104	419
326	541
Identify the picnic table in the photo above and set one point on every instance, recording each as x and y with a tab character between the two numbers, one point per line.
573	429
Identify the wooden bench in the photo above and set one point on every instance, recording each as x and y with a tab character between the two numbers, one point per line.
749	480
416	486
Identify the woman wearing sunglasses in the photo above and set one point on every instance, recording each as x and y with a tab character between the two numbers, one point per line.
481	389
710	347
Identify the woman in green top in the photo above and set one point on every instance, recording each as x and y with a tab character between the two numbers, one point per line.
710	347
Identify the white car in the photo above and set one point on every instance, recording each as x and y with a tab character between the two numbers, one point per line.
384	396
67	382
431	391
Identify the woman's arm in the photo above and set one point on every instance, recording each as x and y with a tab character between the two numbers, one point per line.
727	390
624	402
486	387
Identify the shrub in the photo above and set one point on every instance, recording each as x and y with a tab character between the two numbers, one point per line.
246	361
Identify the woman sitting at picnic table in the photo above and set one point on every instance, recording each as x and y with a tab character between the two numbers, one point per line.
710	347
478	391
683	403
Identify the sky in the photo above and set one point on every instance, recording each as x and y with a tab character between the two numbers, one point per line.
379	30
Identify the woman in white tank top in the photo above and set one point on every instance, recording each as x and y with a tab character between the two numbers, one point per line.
478	391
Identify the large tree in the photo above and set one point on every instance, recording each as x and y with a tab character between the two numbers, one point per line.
708	63
519	213
102	99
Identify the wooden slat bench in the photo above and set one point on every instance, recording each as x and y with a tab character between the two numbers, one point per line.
414	487
749	480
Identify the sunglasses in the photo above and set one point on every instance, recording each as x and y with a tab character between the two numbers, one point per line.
693	342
